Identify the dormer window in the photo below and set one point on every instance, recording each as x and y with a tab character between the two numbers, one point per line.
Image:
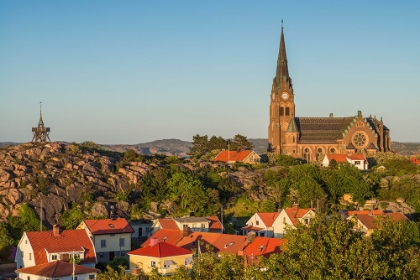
111	225
257	223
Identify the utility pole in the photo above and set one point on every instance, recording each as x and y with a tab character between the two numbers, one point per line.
40	222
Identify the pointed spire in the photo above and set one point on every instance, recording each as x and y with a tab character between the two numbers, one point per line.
40	122
282	72
292	126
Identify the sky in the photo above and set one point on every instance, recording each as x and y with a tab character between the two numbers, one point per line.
128	72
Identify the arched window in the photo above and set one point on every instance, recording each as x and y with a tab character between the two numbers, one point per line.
319	153
332	151
307	154
281	111
294	139
287	111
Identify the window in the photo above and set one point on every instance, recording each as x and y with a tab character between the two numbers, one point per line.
357	162
29	278
306	221
30	256
54	257
21	254
152	264
307	154
122	242
287	111
257	223
91	276
122	253
203	225
103	243
101	255
332	151
112	234
284	220
281	111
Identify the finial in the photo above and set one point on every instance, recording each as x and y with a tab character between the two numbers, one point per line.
40	107
281	24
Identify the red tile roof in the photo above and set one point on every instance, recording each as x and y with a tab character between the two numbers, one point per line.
342	158
107	226
415	160
221	243
160	250
370	220
215	224
268	218
264	246
57	269
168	235
168	223
45	241
249	228
363	212
228	156
295	213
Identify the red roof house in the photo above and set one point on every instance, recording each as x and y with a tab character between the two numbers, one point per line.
245	156
39	247
290	217
57	270
261	223
358	160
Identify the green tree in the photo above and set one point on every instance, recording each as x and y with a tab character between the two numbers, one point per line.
217	143
199	146
240	142
72	218
113	274
25	221
285	160
6	241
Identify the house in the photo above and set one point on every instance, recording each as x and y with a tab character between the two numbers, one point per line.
245	156
141	229
160	255
358	160
40	247
261	223
290	217
262	247
415	160
366	221
111	237
57	270
207	224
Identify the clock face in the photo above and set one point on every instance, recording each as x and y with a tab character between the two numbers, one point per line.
284	95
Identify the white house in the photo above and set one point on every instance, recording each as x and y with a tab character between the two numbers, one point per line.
290	217
57	270
358	160
39	247
261	223
111	237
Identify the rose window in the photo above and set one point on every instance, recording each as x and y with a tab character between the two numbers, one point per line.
359	139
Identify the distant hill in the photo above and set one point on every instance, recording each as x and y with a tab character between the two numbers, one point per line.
181	148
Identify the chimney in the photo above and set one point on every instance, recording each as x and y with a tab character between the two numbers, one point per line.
331	115
153	241
295	205
56	230
186	231
251	236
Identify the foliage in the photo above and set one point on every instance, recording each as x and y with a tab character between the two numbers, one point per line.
119	273
400	167
406	187
41	184
89	145
72	218
6	241
25	221
328	248
285	160
240	142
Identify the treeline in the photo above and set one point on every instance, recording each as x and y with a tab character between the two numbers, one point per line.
202	145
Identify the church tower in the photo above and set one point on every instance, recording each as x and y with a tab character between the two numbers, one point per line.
282	105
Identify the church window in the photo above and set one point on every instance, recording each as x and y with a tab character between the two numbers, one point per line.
294	139
294	151
319	153
281	111
332	151
287	111
359	139
307	154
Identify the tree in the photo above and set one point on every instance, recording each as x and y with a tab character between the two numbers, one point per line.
112	274
6	241
199	146
25	221
217	143
72	218
285	160
240	142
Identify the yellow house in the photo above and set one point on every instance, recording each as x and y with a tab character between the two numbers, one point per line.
164	257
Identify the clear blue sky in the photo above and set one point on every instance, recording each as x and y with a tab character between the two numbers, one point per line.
127	72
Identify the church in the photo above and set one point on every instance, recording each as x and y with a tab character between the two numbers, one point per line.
308	138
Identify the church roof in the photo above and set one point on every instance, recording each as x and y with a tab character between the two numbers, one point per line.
292	126
322	129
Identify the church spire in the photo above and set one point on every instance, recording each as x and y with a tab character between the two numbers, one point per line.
40	122
282	73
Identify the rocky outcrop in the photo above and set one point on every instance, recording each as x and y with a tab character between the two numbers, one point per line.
61	175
